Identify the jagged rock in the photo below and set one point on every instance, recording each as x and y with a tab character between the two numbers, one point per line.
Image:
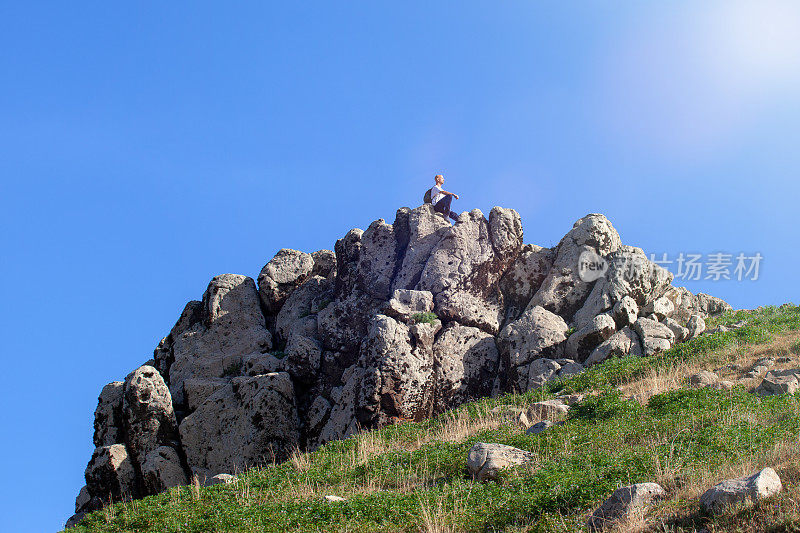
162	470
74	520
623	504
623	342
110	472
397	372
538	333
780	382
255	418
696	325
108	424
343	324
319	409
655	336
220	479
484	312
682	302
216	336
629	273
425	229
562	291
570	369
747	489
681	333
526	274
405	303
539	427
704	378
625	312
342	421
282	275
710	305
581	343
486	460
467	360
661	307
149	416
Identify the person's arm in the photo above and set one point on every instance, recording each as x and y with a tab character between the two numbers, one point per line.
454	195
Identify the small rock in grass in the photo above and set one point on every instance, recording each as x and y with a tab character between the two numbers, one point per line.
486	460
704	378
723	385
747	489
331	498
623	503
220	479
780	382
539	427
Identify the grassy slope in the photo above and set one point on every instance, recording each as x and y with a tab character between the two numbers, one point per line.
412	476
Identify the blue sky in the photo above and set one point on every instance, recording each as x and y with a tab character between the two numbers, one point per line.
146	149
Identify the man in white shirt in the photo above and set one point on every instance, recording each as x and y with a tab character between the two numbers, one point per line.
442	199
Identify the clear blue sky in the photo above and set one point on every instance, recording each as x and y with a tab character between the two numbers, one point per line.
147	149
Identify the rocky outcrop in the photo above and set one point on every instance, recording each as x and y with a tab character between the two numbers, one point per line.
400	322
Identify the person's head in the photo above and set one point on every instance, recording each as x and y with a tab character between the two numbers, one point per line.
439	179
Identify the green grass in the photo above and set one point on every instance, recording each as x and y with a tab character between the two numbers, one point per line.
607	441
424	318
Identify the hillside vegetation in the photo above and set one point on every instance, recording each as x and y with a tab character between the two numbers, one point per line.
638	421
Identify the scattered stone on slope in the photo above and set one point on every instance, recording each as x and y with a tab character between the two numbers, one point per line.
333	498
623	342
486	460
624	504
282	275
255	418
220	479
108	423
547	409
743	490
780	382
149	416
704	378
539	427
162	470
655	336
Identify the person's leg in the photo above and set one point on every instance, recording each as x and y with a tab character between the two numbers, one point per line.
454	216
443	205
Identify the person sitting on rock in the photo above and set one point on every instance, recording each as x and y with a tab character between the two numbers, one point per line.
442	199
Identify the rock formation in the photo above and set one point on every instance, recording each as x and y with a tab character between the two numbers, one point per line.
403	321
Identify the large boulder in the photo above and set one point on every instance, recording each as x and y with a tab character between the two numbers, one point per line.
110	472
661	307
629	273
537	334
525	275
624	503
162	470
299	312
108	423
212	338
398	363
486	460
655	336
563	291
149	417
582	342
743	490
377	260
623	342
251	421
282	275
466	362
